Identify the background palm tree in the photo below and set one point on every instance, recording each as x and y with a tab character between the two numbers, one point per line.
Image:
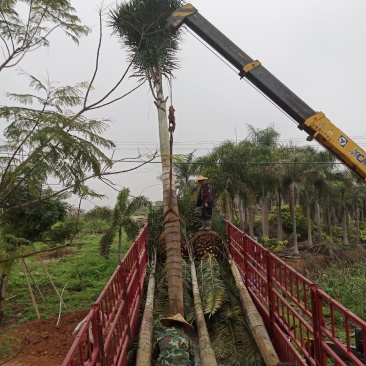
122	220
293	172
184	168
141	26
264	149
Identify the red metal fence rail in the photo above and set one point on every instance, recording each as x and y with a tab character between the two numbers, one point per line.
113	320
306	325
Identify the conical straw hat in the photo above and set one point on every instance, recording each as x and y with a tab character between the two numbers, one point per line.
201	177
176	318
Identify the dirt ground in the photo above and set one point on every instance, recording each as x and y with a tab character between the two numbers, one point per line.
44	344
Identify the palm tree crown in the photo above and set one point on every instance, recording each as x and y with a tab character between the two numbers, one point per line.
141	26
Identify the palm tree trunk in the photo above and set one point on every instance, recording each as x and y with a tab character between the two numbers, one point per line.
310	237
265	217
254	321
251	216
279	215
318	223
293	217
171	215
251	221
207	354
241	214
246	215
344	226
145	345
357	219
329	221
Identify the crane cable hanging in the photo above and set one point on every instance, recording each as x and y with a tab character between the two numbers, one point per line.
171	129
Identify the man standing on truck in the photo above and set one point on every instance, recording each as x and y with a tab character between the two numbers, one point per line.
205	201
173	344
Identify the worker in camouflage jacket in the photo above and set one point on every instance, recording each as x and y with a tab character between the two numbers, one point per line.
173	344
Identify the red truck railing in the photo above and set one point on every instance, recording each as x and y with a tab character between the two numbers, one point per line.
306	325
114	318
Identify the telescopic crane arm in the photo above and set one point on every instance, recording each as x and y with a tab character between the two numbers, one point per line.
316	124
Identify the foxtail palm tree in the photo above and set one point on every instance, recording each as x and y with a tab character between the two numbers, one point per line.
141	26
121	220
184	168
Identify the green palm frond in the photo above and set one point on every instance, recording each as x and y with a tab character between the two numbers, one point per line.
106	242
233	342
228	341
131	228
189	312
141	26
225	202
232	339
189	216
155	222
161	301
211	286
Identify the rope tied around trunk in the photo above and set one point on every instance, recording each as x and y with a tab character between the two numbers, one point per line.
171	128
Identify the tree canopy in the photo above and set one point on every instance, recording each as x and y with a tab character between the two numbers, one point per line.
24	31
141	26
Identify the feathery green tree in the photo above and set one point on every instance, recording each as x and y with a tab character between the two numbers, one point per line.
24	31
44	139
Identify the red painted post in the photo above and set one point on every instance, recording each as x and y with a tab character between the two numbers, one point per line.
98	335
137	254
228	235
317	315
270	292
125	297
245	258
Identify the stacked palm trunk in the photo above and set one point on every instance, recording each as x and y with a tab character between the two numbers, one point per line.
211	301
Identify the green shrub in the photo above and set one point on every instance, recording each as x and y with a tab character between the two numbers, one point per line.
257	226
337	232
63	230
352	234
363	236
301	221
272	244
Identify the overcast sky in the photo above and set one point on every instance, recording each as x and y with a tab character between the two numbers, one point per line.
316	48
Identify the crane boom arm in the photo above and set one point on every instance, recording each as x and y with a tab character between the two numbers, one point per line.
316	124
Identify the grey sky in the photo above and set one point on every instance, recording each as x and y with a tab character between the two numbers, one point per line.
316	48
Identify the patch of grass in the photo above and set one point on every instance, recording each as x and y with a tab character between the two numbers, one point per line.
78	269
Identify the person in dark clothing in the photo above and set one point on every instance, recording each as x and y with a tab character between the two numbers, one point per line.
205	201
